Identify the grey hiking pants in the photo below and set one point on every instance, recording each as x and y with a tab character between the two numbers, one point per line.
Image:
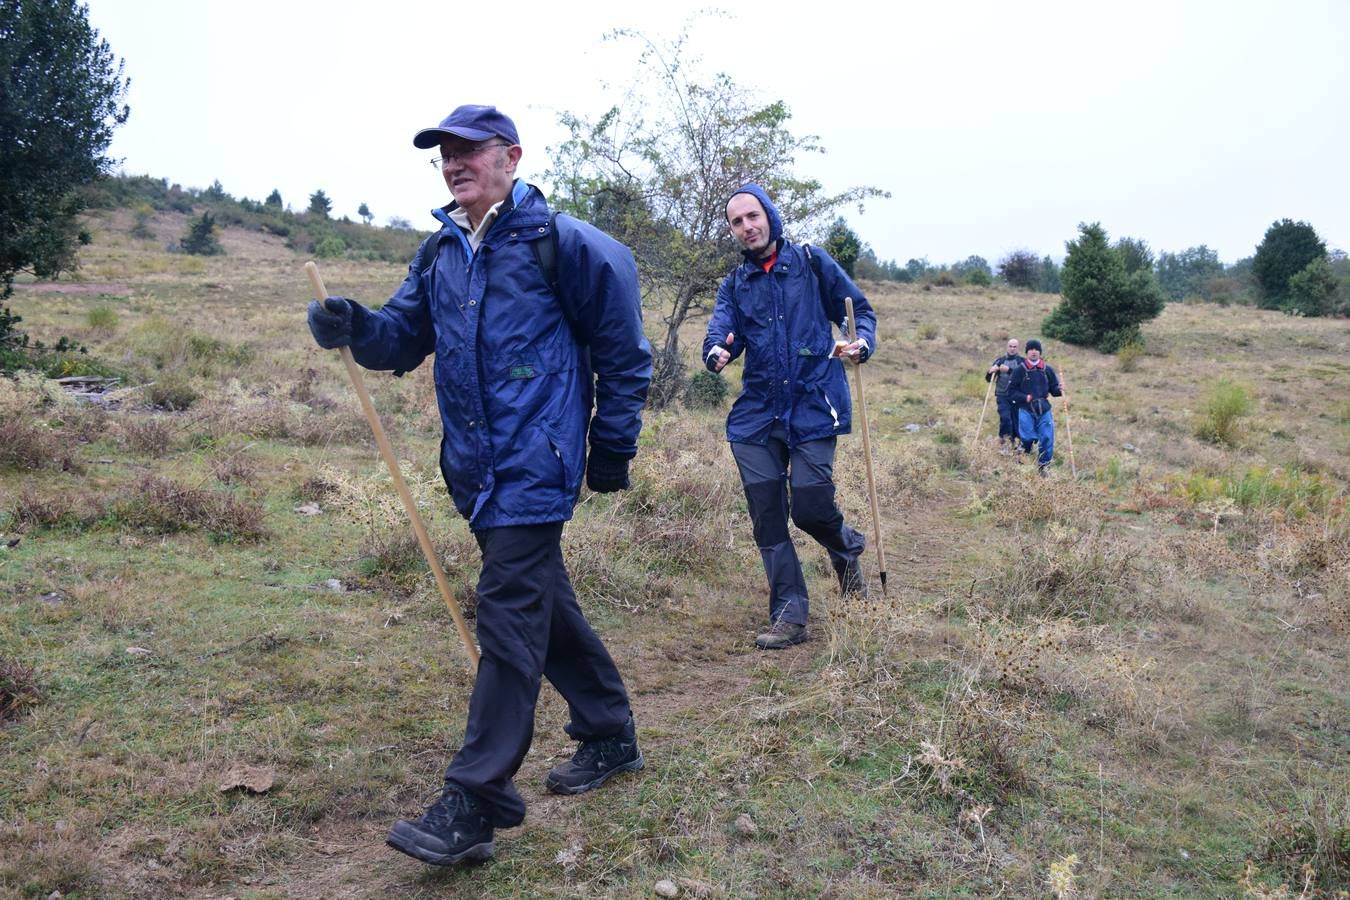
767	473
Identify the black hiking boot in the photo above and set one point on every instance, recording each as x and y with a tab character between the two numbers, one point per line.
453	829
781	635
595	762
852	582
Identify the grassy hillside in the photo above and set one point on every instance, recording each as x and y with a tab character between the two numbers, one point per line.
1132	682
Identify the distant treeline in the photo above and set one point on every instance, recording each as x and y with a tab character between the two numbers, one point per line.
1292	270
312	231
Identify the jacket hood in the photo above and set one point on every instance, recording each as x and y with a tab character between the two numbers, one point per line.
775	220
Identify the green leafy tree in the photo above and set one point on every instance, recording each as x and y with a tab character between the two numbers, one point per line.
843	245
364	212
1312	291
319	204
1049	282
215	192
1020	269
916	269
201	237
273	199
974	270
1135	254
1285	251
1103	305
61	91
657	168
1188	273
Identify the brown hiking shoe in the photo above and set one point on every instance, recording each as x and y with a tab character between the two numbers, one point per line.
782	634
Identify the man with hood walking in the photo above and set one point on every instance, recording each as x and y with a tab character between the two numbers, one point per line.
533	321
777	308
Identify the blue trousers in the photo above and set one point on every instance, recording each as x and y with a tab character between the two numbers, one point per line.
529	625
766	474
1038	427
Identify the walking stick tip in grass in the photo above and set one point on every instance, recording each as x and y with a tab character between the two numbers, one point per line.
867	447
386	451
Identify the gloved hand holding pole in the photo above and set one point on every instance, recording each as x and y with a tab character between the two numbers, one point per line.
386	451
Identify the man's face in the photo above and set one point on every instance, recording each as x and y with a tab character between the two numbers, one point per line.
749	224
479	173
1012	347
1033	354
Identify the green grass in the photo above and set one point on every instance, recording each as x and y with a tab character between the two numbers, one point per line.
1121	668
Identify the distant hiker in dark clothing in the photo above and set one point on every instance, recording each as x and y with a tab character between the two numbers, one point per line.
525	350
1030	388
1002	370
777	308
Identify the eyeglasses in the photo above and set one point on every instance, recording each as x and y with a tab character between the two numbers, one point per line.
440	162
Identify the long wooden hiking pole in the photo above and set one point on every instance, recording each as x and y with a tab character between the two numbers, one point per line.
1068	430
980	424
867	448
387	452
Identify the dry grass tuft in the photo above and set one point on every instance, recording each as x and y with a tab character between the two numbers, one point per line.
19	689
162	506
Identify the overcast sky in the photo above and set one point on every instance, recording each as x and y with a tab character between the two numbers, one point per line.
994	125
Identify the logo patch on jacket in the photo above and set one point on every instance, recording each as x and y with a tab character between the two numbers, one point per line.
522	371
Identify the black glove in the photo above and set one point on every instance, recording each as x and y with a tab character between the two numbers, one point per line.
331	322
605	472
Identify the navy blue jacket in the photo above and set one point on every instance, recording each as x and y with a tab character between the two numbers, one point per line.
1040	383
512	380
782	322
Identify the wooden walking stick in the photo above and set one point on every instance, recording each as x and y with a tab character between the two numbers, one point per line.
1068	431
387	452
980	424
867	447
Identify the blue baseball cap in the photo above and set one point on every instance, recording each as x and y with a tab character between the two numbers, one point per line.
471	122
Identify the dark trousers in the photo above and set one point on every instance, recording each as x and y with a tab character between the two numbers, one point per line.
766	474
1007	419
529	624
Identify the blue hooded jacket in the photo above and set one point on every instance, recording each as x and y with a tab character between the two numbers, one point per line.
782	323
513	384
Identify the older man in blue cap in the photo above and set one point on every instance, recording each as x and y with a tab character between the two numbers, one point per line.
535	325
777	307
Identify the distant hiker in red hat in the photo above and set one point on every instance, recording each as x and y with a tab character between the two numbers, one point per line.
1030	388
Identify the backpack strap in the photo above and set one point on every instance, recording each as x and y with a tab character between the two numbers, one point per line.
545	255
814	260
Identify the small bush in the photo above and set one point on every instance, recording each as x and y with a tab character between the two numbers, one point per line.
141	227
201	237
1219	417
32	510
147	435
172	392
927	331
706	390
1128	355
19	690
330	247
102	318
162	506
25	446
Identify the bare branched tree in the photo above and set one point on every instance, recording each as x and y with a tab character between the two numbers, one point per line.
657	168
